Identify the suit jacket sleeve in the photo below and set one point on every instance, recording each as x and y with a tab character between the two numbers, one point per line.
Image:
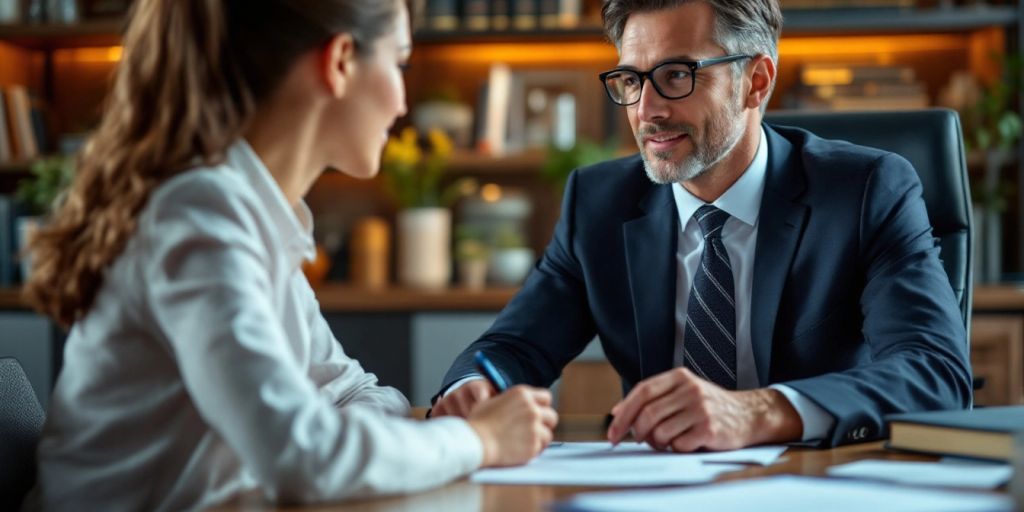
548	323
911	323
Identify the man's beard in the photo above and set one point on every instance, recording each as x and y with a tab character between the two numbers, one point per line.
720	135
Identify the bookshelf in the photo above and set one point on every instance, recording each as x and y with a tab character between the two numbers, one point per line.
67	65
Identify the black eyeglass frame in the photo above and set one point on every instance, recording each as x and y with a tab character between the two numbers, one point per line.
694	65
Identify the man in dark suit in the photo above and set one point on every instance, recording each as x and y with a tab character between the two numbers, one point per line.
750	283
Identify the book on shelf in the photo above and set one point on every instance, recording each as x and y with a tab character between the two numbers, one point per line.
524	14
476	14
988	433
501	18
442	15
559	14
6	151
19	115
7	241
859	87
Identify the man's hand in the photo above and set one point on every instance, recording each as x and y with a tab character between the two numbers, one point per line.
462	401
681	411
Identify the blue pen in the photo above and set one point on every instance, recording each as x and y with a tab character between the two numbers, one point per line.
490	372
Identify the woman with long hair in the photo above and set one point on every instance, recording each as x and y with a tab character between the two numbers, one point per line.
198	363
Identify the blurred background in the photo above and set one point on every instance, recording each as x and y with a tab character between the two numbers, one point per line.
504	103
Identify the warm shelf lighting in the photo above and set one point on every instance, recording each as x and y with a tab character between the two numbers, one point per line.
110	54
490	193
839	46
532	53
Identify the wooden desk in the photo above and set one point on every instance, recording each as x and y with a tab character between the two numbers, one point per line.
463	496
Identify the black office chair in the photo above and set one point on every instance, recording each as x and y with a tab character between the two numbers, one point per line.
21	422
932	141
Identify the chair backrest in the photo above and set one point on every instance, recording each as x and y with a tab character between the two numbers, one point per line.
932	141
21	422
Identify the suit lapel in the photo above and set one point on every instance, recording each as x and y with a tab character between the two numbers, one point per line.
651	260
781	221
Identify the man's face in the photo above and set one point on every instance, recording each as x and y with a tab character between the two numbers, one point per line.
681	139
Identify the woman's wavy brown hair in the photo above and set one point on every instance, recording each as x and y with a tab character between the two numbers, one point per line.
191	76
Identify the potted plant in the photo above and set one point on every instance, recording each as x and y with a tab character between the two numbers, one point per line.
38	195
413	174
510	259
470	258
559	163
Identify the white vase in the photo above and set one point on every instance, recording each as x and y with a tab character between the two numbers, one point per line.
510	266
424	247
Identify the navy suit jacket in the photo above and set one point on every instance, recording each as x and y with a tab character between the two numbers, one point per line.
851	306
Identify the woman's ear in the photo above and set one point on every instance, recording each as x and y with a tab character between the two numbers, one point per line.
339	63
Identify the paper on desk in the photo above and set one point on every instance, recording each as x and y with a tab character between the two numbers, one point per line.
788	493
953	473
624	465
761	455
624	472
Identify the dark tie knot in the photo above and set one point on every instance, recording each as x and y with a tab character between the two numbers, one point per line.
711	220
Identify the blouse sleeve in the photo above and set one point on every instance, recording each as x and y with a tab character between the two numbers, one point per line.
210	292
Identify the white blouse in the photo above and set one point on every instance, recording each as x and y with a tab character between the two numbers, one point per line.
205	368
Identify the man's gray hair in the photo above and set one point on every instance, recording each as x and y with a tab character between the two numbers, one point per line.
749	27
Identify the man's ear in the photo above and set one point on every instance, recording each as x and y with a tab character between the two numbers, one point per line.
339	63
761	79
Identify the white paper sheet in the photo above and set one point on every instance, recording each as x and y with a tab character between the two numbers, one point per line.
761	455
951	473
629	464
789	493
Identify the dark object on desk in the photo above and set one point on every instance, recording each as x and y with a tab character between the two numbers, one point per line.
21	422
987	433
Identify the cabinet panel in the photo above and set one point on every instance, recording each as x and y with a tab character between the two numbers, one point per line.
996	356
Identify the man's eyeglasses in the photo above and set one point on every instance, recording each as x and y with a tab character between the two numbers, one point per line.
673	79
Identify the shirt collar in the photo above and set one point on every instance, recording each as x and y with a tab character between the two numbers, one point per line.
742	200
294	224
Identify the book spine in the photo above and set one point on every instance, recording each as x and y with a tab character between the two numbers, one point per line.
500	17
6	151
476	14
525	14
548	12
442	15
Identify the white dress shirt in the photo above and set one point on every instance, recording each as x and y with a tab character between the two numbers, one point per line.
205	368
742	201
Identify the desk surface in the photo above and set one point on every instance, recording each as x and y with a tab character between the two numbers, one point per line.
463	496
346	298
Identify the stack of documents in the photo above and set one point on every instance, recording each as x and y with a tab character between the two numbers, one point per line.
789	493
627	464
951	473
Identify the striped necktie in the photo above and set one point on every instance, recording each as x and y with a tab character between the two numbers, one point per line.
709	337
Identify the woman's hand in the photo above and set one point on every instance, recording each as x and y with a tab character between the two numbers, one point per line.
514	426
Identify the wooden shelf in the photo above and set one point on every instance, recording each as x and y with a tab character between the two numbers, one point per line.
998	298
16	167
466	162
797	22
461	36
46	36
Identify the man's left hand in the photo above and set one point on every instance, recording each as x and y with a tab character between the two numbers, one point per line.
680	411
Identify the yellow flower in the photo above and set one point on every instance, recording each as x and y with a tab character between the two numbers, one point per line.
440	142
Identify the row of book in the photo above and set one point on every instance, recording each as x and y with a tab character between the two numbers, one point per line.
858	87
480	15
22	129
